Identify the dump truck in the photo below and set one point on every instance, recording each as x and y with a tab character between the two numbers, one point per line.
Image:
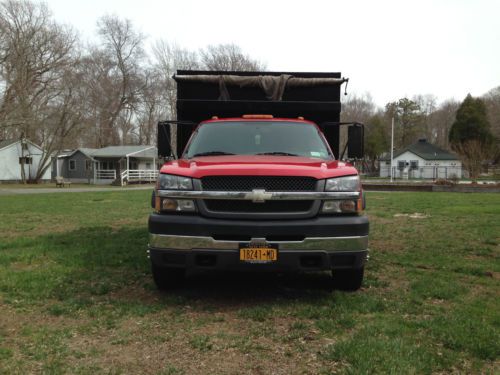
256	179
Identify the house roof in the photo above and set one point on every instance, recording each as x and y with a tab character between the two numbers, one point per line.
115	152
7	142
87	151
426	151
124	151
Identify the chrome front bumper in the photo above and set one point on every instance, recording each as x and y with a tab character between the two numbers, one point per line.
258	195
328	244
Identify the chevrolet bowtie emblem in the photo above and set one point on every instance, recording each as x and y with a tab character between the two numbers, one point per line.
259	195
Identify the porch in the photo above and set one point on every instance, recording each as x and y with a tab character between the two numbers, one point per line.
127	176
122	165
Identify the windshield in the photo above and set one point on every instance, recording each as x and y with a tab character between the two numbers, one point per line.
258	138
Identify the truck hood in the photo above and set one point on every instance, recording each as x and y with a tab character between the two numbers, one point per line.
258	165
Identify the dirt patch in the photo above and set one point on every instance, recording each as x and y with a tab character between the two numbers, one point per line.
415	215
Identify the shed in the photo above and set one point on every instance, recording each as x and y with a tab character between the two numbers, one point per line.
422	160
14	153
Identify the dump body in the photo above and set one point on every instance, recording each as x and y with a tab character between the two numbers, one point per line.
258	192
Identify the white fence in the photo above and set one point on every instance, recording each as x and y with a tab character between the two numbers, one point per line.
426	172
106	174
145	175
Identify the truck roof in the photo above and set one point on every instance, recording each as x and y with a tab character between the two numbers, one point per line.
274	119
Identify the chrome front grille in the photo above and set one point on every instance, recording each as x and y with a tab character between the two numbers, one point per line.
270	209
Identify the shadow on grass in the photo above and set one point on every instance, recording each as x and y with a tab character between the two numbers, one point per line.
95	264
234	286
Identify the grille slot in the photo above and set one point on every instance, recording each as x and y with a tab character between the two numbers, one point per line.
248	183
251	207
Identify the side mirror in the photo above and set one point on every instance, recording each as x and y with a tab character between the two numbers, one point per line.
355	141
163	140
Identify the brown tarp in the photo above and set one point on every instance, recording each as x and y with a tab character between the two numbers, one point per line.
273	86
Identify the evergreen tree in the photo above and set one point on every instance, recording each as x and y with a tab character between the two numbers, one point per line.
471	137
471	123
408	118
376	139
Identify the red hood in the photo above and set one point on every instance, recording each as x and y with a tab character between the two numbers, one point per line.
258	165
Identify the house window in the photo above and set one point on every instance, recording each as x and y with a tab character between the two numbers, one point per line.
72	165
88	164
414	164
401	164
148	165
26	160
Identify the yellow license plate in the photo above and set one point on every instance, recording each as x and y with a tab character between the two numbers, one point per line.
258	254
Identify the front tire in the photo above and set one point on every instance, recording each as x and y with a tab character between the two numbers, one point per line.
349	279
167	278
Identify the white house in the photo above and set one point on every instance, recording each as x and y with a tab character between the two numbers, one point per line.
422	160
13	152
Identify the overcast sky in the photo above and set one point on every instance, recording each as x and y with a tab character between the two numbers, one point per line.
390	49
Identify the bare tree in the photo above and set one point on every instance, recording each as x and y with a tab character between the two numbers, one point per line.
492	101
64	114
427	104
34	54
358	107
473	153
439	122
228	57
121	55
170	58
150	108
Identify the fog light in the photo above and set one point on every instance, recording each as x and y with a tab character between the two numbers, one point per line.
348	206
169	204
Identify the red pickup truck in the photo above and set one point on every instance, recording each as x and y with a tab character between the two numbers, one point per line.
254	191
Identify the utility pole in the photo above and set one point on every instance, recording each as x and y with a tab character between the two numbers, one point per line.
392	145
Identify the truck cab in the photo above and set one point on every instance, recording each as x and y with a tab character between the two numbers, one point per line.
256	192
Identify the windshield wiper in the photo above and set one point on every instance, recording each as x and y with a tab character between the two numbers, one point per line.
277	153
212	153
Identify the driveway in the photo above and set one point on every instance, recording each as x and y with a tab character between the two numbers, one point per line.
7	191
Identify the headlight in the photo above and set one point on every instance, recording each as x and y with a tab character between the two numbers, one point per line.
349	183
171	182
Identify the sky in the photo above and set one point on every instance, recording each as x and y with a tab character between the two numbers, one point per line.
389	49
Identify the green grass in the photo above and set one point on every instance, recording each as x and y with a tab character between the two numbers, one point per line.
76	296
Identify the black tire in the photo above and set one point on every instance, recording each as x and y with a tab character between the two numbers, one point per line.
348	280
167	278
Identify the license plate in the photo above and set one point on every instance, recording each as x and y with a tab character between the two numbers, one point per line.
258	254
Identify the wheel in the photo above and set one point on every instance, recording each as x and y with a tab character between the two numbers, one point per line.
167	278
349	280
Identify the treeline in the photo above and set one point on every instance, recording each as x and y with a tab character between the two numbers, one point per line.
422	117
61	93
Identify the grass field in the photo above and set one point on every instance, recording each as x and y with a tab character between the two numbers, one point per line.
76	296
